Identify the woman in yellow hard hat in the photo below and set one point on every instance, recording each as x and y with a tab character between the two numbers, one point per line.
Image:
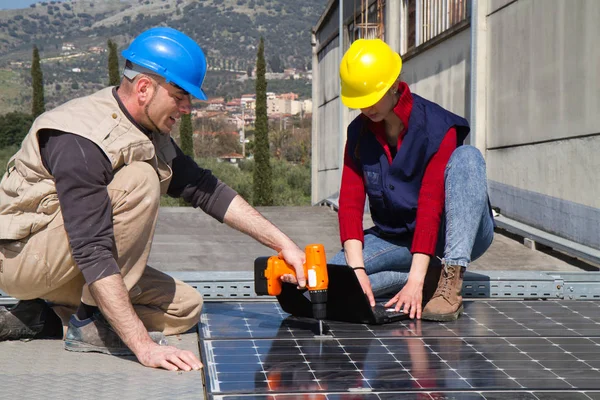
407	155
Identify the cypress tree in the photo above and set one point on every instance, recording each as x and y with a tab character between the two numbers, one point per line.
185	135
263	183
37	106
187	144
113	64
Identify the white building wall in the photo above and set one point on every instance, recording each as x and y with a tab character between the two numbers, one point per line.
307	106
273	106
295	107
442	73
327	154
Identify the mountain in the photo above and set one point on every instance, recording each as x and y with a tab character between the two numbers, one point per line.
71	34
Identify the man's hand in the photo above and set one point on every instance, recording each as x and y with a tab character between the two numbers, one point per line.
296	258
408	299
365	284
168	357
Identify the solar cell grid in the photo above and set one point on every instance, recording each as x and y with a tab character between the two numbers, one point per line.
497	350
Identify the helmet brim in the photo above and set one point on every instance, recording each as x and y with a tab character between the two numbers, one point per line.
193	90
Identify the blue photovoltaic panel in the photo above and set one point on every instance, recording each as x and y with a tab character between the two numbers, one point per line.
496	350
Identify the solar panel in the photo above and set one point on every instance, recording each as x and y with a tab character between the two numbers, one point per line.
496	350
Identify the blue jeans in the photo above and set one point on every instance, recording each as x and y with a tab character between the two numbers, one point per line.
466	230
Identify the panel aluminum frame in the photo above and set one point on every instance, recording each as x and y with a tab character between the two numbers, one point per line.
239	285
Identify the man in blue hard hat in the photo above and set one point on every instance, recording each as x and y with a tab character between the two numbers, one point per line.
79	204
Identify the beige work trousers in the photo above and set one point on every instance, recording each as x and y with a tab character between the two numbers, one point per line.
42	266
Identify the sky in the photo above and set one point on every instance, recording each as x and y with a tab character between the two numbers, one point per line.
6	4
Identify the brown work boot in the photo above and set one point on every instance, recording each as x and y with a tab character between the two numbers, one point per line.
446	303
96	335
431	283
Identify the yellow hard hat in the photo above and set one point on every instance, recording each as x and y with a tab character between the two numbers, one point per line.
368	69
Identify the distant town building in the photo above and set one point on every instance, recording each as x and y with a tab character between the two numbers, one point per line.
289	96
290	73
216	104
285	104
237	121
307	106
96	49
248	101
231	157
68	47
233	105
274	75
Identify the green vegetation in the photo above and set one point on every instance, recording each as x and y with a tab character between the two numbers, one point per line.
185	135
263	184
224	83
37	79
11	91
5	155
13	128
291	182
227	30
113	64
70	37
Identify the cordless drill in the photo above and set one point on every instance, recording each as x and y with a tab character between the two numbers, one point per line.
267	277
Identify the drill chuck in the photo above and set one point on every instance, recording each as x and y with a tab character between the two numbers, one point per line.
318	298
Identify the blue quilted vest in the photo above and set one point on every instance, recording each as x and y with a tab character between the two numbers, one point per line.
393	189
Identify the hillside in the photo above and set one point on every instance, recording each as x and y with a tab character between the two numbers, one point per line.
227	30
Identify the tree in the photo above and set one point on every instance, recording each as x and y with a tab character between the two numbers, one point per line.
185	135
263	179
229	142
186	141
275	63
113	64
13	128
205	145
37	104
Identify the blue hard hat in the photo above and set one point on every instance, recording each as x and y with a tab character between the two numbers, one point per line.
172	55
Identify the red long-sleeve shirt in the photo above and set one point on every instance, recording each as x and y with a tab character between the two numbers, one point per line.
430	204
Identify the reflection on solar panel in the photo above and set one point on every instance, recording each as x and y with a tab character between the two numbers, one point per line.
497	350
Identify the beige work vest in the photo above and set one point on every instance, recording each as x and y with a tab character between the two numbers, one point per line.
28	199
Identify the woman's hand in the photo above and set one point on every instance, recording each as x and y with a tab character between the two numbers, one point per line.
365	283
408	299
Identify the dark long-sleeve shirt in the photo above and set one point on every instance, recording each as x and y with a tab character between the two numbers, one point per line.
82	173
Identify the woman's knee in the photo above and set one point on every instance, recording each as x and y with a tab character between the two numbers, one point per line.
467	156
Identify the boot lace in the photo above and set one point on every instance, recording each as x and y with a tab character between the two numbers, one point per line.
445	288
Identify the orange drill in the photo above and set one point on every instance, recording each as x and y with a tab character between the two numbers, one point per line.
268	280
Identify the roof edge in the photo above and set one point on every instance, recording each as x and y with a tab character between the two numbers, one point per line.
324	15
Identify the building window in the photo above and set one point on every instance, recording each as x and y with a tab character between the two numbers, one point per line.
411	10
423	20
368	21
